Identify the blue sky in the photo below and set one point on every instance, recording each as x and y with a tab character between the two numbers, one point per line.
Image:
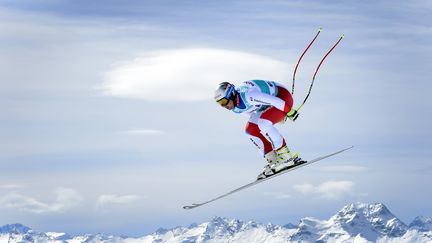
107	121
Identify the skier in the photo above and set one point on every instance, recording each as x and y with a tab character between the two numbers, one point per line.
267	103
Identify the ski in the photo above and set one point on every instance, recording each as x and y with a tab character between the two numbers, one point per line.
195	205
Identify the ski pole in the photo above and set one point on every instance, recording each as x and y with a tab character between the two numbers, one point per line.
316	71
298	62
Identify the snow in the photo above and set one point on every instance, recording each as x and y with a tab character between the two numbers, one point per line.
422	223
409	237
4	238
354	223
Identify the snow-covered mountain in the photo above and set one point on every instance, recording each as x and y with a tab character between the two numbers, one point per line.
357	222
422	224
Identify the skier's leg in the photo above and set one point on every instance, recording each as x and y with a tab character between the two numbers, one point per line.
284	158
272	116
271	133
266	123
257	138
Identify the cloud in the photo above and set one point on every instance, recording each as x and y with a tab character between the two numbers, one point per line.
104	200
186	74
11	186
328	190
305	188
65	199
144	132
278	195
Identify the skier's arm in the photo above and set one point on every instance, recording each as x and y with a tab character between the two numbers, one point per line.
258	98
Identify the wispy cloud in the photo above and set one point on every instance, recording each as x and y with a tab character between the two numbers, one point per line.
278	195
65	199
110	199
328	190
11	186
186	74
144	132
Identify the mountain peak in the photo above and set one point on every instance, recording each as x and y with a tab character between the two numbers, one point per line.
219	220
14	228
421	223
222	226
374	216
365	208
367	211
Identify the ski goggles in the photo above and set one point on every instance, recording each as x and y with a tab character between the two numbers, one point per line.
223	102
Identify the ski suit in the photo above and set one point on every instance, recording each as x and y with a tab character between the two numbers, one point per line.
267	103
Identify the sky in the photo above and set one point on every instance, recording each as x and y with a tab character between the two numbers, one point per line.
108	124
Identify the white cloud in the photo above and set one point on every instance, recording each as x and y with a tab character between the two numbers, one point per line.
187	74
66	199
305	188
104	200
144	132
11	186
328	190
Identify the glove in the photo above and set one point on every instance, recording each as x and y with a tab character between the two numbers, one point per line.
292	114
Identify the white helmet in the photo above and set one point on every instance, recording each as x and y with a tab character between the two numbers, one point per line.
224	93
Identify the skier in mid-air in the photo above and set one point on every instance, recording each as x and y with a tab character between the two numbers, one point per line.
267	103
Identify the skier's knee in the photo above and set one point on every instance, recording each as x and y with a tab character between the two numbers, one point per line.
264	125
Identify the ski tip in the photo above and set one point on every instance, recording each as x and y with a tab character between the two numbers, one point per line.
194	205
320	29
342	36
350	147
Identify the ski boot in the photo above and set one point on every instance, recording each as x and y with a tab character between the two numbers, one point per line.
278	161
285	159
271	158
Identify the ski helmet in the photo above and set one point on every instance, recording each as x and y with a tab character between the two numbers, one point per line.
224	93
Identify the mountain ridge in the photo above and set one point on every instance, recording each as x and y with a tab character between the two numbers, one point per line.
356	222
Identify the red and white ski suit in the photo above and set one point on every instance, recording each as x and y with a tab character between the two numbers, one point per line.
267	103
